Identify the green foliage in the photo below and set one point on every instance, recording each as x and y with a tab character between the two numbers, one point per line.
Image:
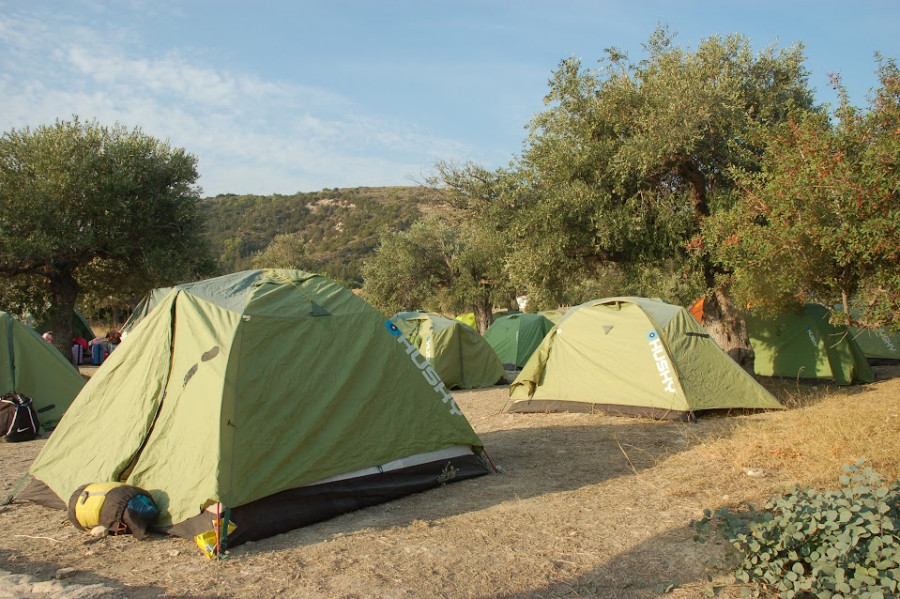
623	167
831	544
629	160
285	251
89	207
821	216
440	266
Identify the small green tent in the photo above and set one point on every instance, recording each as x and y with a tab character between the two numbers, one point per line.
630	355
35	368
80	326
514	337
805	345
459	355
468	319
278	395
877	344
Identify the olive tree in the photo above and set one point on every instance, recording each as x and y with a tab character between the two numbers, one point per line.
89	207
628	161
438	264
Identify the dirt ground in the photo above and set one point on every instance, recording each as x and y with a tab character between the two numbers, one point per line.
586	506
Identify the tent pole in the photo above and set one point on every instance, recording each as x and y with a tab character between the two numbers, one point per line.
223	534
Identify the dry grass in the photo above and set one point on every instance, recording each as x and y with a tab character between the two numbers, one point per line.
589	506
824	429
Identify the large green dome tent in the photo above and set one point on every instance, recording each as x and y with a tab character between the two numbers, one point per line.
277	395
631	355
33	367
514	337
460	356
805	345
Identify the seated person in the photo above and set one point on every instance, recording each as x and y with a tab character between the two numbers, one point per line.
113	339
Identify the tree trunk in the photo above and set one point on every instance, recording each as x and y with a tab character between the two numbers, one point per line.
724	320
63	295
483	315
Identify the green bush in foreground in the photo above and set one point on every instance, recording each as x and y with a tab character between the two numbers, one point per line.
828	545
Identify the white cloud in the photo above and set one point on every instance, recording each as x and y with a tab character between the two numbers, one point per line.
250	135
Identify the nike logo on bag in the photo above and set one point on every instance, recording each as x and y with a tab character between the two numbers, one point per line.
22	430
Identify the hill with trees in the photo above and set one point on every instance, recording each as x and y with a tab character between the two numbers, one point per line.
334	229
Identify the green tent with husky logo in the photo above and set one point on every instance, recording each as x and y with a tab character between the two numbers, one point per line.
514	337
34	367
459	355
878	345
277	395
805	345
631	355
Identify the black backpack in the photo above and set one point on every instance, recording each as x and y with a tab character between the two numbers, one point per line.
18	419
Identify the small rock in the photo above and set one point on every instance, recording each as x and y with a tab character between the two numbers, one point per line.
64	573
99	531
174	553
754	472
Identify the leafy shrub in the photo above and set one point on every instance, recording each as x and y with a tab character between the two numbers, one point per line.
828	545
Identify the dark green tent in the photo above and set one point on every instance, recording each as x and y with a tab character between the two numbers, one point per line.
80	326
514	337
803	344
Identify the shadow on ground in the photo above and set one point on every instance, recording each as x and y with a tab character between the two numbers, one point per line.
42	571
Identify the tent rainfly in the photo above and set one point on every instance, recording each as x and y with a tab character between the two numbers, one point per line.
631	355
143	308
276	396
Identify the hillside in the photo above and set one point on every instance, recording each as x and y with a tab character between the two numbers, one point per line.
340	227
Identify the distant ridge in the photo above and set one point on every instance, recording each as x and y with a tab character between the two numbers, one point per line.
340	227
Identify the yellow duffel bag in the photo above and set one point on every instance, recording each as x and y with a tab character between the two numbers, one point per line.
116	506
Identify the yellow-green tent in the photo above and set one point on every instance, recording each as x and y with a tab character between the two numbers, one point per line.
459	355
631	355
33	367
469	319
278	395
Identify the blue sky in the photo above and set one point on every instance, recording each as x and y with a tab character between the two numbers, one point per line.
290	96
